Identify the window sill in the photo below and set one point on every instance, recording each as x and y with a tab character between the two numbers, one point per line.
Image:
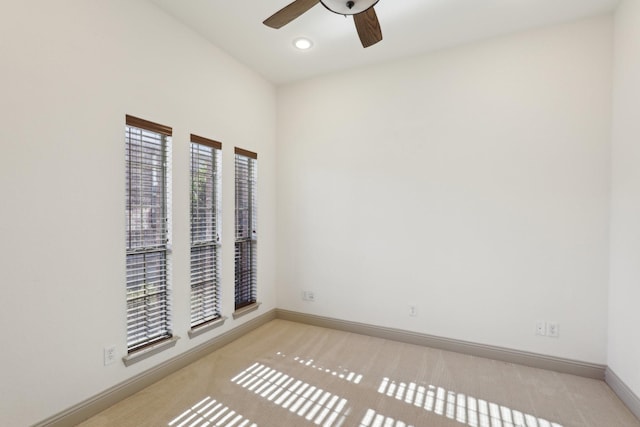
145	353
245	310
201	329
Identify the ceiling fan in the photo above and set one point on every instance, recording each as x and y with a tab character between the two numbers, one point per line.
363	13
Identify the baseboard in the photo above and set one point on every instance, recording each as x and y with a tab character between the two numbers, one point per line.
113	395
568	366
96	404
623	392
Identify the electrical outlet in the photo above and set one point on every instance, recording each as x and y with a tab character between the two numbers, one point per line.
553	329
308	296
413	311
541	327
109	355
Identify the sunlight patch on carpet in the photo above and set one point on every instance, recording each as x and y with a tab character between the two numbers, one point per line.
305	400
340	372
208	413
375	419
464	409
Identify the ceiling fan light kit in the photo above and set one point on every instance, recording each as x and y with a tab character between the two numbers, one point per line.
364	16
342	7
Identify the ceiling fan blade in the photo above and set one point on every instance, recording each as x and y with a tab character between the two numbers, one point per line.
368	27
289	13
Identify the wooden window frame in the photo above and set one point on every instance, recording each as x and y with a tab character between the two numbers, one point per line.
205	171
246	238
148	146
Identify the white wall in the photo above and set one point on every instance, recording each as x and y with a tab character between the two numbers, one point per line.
70	71
472	182
624	294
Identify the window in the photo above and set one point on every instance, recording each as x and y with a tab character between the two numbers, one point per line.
246	237
205	230
147	233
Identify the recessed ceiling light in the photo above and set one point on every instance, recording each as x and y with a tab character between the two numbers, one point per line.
303	43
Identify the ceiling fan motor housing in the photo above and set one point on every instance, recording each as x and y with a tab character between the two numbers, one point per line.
344	7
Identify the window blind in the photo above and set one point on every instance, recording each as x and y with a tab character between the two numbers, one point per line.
246	239
147	231
205	230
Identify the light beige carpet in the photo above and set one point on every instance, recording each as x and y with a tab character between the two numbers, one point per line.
289	374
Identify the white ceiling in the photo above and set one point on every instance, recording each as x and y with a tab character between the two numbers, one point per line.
409	27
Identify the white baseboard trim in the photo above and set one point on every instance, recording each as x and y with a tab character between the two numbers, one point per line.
98	403
623	392
568	366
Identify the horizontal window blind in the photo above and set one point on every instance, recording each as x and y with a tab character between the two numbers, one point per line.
246	239
147	231
205	230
